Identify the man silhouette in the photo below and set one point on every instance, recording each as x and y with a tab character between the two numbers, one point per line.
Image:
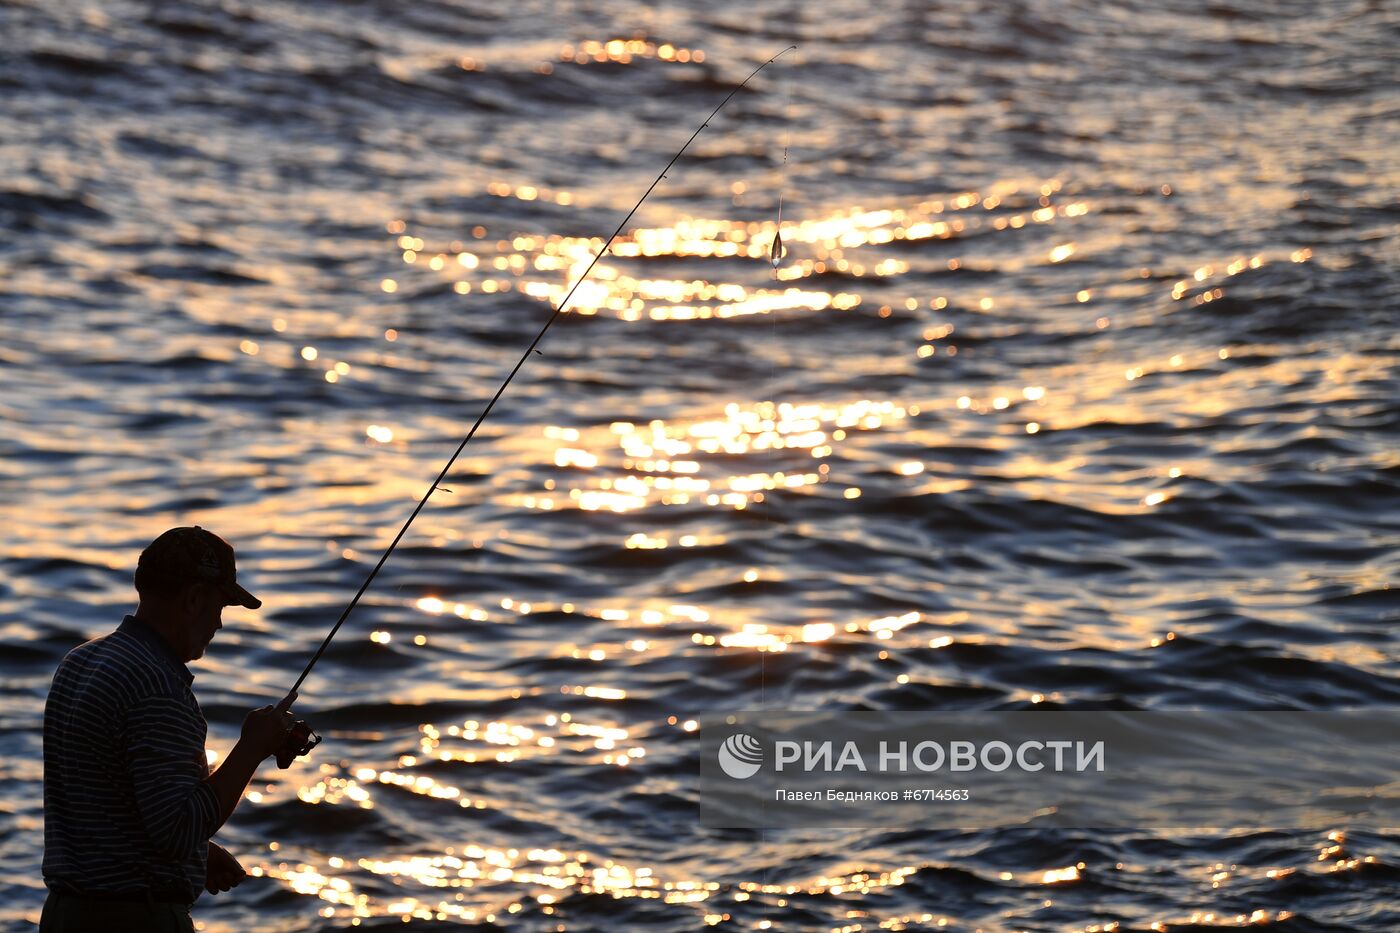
129	802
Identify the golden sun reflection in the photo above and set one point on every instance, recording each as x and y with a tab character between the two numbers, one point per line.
624	51
584	740
479	884
765	637
667	463
474	880
544	267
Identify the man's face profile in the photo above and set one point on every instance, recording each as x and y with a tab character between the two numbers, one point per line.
204	607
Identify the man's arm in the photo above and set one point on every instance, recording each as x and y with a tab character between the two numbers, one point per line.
230	779
264	730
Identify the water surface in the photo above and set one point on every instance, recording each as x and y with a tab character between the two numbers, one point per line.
1077	389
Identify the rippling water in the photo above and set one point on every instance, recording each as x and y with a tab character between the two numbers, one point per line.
1078	388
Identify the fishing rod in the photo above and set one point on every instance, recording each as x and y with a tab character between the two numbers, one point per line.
301	739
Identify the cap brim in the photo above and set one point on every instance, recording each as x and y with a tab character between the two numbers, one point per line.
238	596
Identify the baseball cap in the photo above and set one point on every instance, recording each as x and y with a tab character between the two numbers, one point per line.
194	555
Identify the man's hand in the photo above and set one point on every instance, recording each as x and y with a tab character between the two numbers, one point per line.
264	730
223	871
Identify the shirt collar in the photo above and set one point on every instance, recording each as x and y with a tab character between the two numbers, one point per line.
141	631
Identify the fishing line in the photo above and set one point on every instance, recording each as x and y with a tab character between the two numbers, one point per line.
776	252
302	739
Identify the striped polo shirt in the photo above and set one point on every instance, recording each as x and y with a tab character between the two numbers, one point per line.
126	808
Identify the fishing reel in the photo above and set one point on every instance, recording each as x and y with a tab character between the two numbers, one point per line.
299	741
